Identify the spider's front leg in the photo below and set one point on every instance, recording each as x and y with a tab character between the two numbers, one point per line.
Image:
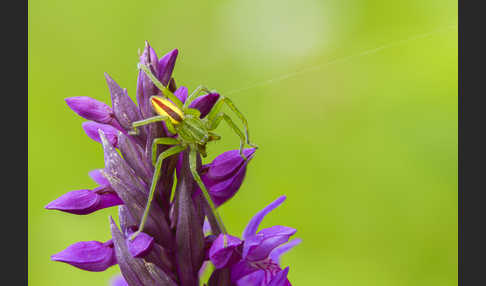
149	120
215	113
167	153
214	123
195	94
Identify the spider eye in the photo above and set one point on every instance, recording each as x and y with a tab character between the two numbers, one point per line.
163	106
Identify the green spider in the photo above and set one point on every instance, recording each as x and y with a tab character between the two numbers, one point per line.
192	132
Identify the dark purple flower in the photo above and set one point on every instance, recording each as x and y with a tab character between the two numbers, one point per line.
224	175
180	234
258	253
88	255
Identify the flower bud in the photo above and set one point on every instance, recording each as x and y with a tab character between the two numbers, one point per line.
166	66
181	93
124	109
88	255
91	109
91	128
205	103
82	202
224	176
140	245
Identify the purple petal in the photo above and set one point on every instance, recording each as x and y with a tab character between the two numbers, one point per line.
91	109
222	250
278	251
259	246
190	244
241	269
166	66
144	91
252	226
107	198
124	108
99	178
226	164
205	103
76	202
181	93
91	128
88	255
255	278
140	245
82	202
118	281
280	279
224	190
134	157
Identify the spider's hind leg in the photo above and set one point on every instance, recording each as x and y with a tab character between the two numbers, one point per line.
167	153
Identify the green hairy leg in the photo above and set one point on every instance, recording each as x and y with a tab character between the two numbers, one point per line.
167	153
195	175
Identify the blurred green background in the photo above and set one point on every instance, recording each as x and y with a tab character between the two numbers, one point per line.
365	147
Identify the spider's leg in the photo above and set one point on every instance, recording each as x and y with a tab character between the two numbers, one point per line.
195	94
145	122
167	153
215	112
161	141
160	86
213	136
215	122
195	175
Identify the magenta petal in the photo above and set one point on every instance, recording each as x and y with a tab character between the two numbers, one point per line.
255	278
252	226
259	246
88	255
90	109
278	251
227	163
77	202
166	66
91	128
205	103
99	178
108	199
223	191
240	270
140	245
222	249
83	202
280	279
181	93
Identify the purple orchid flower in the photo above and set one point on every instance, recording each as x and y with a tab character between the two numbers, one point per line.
176	243
224	175
255	259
